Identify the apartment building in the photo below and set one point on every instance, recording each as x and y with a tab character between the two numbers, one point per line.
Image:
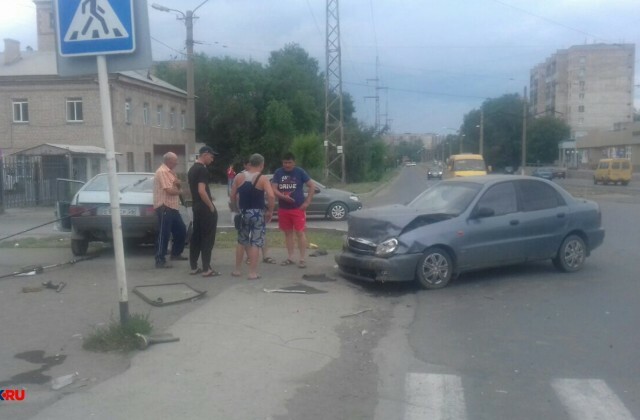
589	86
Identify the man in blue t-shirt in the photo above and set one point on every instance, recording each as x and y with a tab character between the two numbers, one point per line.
288	185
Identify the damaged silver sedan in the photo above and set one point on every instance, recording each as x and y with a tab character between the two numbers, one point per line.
467	224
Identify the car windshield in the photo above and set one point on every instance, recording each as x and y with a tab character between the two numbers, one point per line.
447	197
101	182
468	165
142	185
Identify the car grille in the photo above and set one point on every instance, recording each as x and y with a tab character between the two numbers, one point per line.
361	246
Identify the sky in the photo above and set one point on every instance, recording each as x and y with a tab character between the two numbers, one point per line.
434	61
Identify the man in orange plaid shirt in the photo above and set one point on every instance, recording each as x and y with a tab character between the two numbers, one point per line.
166	193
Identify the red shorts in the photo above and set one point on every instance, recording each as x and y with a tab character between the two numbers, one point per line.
292	219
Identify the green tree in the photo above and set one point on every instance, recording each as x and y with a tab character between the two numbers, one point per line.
365	154
544	134
278	133
502	131
244	107
294	79
309	152
408	149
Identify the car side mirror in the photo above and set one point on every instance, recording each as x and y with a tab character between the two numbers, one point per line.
482	212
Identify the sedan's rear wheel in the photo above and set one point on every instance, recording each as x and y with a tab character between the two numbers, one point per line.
338	211
571	255
434	269
79	247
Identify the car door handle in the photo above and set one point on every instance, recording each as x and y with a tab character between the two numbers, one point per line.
514	222
560	215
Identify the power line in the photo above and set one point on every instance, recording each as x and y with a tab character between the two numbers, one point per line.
169	47
549	20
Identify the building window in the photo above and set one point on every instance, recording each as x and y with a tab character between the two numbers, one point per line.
582	84
581	96
147	161
20	111
130	165
74	110
172	118
159	116
127	111
183	120
145	113
581	108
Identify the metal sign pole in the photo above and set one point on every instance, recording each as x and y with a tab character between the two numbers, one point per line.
114	191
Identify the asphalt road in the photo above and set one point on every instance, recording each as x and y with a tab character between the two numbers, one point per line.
526	342
522	342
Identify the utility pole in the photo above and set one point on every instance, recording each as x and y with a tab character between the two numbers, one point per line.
333	114
188	17
376	97
481	149
524	132
191	103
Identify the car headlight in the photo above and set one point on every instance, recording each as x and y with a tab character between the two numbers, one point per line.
387	247
354	198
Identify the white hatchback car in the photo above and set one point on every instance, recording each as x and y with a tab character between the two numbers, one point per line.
88	214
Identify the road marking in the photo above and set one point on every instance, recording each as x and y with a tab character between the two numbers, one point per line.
434	397
590	399
95	19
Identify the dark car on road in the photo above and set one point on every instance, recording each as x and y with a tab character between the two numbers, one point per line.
546	173
466	224
559	173
435	172
549	173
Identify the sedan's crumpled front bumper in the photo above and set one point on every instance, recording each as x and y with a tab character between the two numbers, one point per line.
372	268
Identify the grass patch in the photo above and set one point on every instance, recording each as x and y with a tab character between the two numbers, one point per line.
325	239
366	187
116	336
45	242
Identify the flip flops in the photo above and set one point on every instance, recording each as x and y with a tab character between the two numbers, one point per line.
268	260
255	278
287	262
196	271
211	273
302	264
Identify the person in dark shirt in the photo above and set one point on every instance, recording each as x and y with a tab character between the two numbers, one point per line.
205	215
289	182
248	196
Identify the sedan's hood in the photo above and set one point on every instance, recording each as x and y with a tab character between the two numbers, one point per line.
380	223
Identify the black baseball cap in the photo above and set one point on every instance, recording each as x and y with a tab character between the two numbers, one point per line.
207	149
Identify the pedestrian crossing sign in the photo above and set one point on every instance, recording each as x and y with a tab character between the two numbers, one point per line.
94	27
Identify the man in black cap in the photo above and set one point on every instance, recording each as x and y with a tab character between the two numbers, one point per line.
205	215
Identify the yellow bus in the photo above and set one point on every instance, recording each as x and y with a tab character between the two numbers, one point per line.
466	164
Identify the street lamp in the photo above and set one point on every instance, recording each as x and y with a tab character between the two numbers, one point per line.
188	21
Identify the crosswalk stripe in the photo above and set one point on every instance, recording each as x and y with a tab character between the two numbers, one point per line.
590	399
434	397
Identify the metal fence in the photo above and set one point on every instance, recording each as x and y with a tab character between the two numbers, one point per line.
28	181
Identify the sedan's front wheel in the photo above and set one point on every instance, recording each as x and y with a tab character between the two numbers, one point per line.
338	211
435	268
571	254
